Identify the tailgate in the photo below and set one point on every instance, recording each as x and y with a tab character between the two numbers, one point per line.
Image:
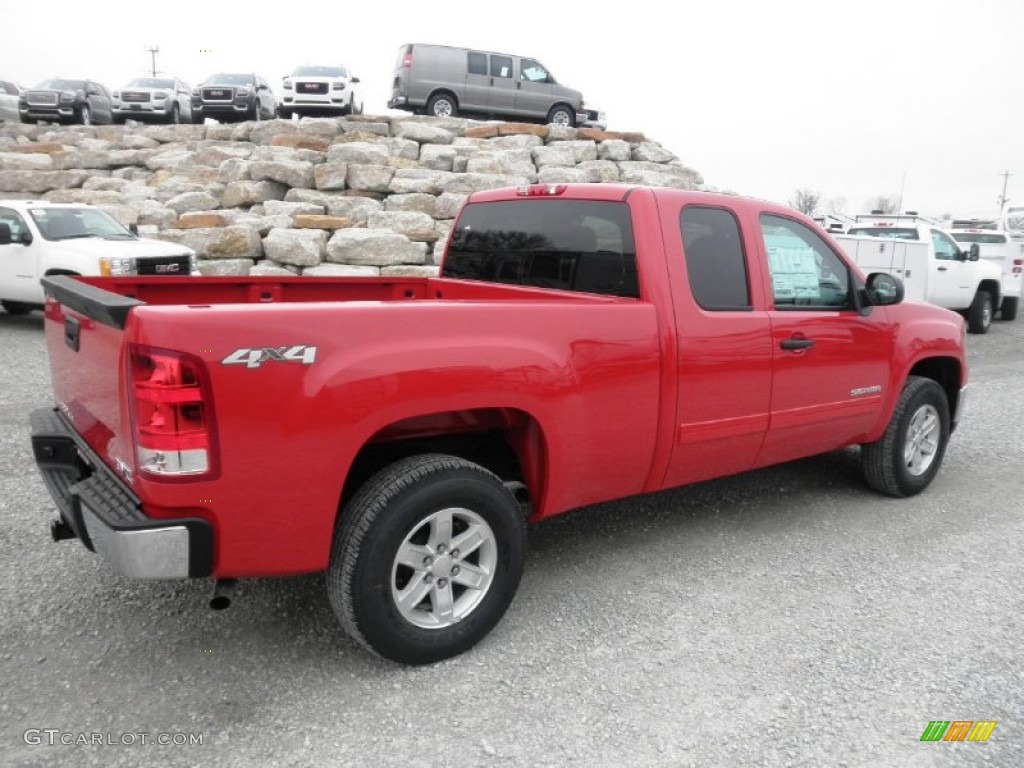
84	338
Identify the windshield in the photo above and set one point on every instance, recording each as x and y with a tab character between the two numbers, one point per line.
893	233
222	79
985	238
150	82
320	72
69	223
61	85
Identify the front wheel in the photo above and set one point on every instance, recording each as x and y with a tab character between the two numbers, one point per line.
908	456
562	115
1008	309
175	115
979	316
85	115
426	558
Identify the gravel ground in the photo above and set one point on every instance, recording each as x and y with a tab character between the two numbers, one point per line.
789	617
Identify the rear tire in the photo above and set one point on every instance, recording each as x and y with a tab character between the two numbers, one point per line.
85	115
397	578
979	316
175	118
1008	310
442	105
907	457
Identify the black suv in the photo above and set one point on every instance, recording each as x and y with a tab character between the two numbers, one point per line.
66	101
233	98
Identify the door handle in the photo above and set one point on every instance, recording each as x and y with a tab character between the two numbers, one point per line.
943	269
492	81
797	343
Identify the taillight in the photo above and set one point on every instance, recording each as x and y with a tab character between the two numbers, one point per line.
172	413
407	61
1018	266
541	190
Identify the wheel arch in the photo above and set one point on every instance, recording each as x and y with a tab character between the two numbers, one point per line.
441	89
993	288
947	373
509	442
566	105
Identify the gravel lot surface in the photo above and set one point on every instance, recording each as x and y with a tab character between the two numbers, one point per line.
789	617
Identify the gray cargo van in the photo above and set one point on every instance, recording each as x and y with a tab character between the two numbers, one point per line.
444	82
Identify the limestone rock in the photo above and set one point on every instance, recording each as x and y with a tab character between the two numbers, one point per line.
374	247
414	180
193	201
415	201
317	221
330	175
437	157
369	178
556	155
239	193
302	247
232	242
236	267
14	161
553	175
403	148
448	205
652	152
482	131
376	129
233	170
167	134
174	158
201	220
302	141
360	152
291	173
601	171
562	133
34	182
614	150
268	268
516	162
408	270
467	183
515	141
415	226
340	270
286	208
422	133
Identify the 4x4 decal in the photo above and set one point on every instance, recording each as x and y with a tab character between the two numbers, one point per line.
254	358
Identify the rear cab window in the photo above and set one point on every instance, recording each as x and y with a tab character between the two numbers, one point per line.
573	245
715	262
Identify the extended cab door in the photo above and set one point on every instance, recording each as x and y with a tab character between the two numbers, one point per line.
723	343
831	364
19	263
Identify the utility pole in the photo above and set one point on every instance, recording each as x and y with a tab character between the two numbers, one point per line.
903	186
1002	198
153	51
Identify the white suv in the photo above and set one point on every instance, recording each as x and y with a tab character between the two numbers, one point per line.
167	99
313	90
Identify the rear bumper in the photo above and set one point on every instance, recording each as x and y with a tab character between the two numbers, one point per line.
107	517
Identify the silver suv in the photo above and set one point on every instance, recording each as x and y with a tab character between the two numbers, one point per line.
166	99
313	90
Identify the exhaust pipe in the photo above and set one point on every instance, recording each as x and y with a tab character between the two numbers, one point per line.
223	591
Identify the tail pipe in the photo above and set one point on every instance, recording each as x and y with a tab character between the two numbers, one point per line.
223	591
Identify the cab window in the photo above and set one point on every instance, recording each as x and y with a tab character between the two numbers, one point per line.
945	248
715	263
531	71
13	220
806	272
478	63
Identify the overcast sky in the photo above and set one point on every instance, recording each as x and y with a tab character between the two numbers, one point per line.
762	97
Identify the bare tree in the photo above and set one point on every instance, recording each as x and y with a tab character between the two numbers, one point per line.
806	201
836	204
884	203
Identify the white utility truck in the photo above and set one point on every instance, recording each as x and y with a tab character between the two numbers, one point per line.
1001	249
38	238
931	264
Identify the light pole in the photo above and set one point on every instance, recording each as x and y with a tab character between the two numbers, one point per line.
153	51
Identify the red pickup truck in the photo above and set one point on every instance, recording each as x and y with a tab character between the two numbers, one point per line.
582	343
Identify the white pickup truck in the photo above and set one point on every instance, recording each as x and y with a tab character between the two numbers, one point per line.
1002	250
38	239
930	262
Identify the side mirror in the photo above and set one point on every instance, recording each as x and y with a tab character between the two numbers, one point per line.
356	80
134	229
26	238
5	234
974	252
883	289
